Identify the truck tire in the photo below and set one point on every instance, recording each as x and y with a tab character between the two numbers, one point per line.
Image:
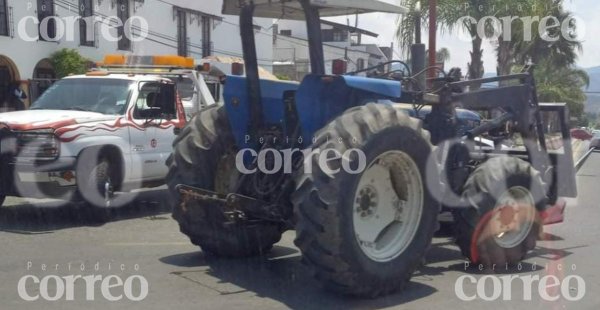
506	195
337	213
199	153
99	176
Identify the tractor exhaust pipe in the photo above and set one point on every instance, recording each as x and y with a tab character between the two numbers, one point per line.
417	52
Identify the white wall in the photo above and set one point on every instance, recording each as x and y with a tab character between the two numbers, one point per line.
298	28
376	55
290	49
162	38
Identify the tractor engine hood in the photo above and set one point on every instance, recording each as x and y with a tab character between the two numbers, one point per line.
386	88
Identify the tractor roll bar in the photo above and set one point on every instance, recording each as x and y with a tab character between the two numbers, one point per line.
315	39
315	42
251	64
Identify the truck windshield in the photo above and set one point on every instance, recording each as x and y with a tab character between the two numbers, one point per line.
106	96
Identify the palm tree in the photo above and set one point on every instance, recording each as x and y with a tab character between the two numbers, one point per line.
563	52
557	78
442	55
521	50
449	16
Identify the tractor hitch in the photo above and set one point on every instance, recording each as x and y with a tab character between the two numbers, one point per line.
234	207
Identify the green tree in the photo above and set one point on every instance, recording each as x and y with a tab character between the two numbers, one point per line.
553	53
552	45
562	84
67	62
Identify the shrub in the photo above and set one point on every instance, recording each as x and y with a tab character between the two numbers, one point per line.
67	62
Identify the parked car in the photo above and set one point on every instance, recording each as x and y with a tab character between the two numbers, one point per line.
581	134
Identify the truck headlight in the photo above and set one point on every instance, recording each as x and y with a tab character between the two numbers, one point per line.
39	144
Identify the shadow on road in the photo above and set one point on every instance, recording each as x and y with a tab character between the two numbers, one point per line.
282	277
41	218
279	276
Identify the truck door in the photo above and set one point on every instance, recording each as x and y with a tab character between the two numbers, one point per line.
167	125
146	141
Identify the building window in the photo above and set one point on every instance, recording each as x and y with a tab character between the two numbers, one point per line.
337	36
45	10
360	64
124	43
182	44
3	18
86	24
287	33
206	36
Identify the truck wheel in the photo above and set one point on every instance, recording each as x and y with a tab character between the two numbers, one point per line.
365	234
99	177
202	158
503	224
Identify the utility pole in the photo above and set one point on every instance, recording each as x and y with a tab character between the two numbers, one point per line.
432	36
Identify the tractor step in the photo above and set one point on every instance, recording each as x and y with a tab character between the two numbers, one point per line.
235	207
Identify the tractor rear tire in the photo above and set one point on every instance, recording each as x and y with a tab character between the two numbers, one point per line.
329	223
477	226
198	153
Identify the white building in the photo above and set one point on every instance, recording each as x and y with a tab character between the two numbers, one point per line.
185	27
291	54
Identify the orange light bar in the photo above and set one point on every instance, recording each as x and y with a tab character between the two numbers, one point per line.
114	60
174	61
162	60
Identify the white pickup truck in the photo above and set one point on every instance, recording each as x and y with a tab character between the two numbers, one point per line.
90	136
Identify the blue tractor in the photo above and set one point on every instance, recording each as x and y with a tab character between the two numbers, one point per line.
360	180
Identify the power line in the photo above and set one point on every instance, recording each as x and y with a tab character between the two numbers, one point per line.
68	5
279	37
111	22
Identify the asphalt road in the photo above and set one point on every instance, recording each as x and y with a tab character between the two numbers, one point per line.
179	276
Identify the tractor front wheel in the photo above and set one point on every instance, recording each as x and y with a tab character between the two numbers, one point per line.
502	223
365	232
